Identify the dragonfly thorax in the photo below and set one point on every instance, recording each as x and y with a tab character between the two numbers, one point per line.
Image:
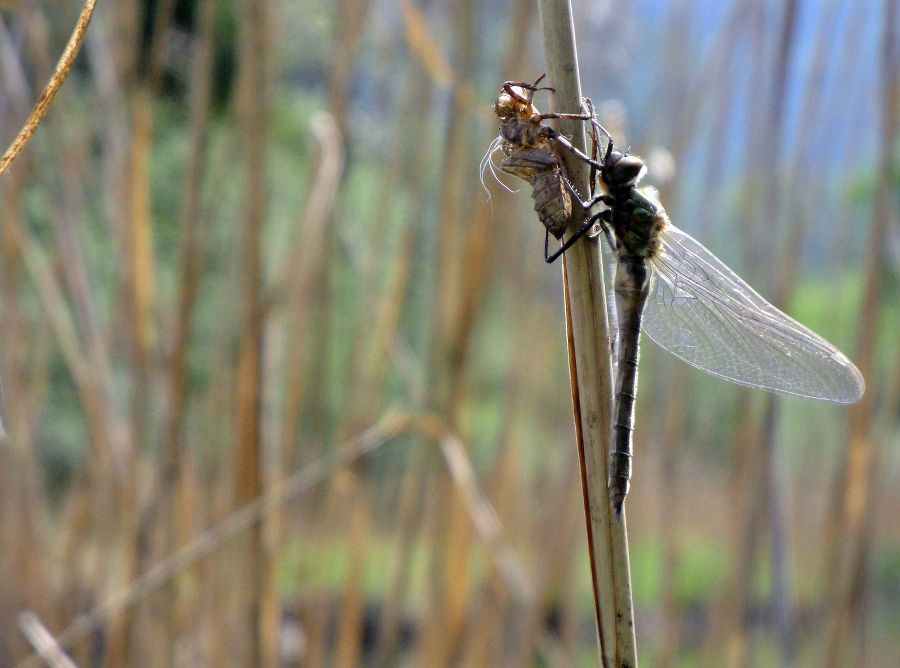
635	219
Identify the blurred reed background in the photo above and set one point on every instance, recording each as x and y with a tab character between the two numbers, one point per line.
248	253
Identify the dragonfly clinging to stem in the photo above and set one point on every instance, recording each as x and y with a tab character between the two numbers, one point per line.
691	304
666	283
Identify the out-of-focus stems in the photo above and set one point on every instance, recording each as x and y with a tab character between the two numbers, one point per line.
864	454
261	607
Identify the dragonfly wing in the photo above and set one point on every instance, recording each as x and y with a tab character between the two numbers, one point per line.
702	312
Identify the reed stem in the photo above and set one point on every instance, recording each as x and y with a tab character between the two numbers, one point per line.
590	366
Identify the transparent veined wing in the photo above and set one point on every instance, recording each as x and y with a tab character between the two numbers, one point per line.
702	312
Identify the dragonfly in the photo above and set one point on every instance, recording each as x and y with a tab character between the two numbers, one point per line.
691	304
532	151
666	283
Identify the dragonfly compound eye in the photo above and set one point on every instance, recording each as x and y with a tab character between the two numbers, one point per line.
625	169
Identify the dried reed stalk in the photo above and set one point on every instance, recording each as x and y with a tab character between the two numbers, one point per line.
357	518
52	88
409	515
43	641
234	525
24	385
411	170
178	478
774	479
590	369
462	265
260	605
299	284
728	636
864	454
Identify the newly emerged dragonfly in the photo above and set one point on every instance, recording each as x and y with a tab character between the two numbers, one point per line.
666	283
690	303
532	153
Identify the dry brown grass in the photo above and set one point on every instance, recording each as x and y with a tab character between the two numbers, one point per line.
280	385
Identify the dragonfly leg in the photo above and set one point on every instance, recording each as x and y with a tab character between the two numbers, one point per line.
532	88
587	110
604	218
585	205
596	130
566	144
586	114
509	87
588	224
568	244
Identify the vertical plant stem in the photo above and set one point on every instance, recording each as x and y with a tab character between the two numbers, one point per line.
21	477
261	604
864	453
299	284
774	479
590	368
175	469
728	637
410	511
358	521
458	291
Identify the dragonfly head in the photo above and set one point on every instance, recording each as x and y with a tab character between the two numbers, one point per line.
624	170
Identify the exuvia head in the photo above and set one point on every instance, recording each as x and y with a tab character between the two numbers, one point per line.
623	170
513	102
516	97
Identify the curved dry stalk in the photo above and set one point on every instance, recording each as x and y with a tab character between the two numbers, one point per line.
590	367
43	641
390	425
242	519
485	520
56	80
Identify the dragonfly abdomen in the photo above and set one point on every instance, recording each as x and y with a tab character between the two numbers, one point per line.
632	278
